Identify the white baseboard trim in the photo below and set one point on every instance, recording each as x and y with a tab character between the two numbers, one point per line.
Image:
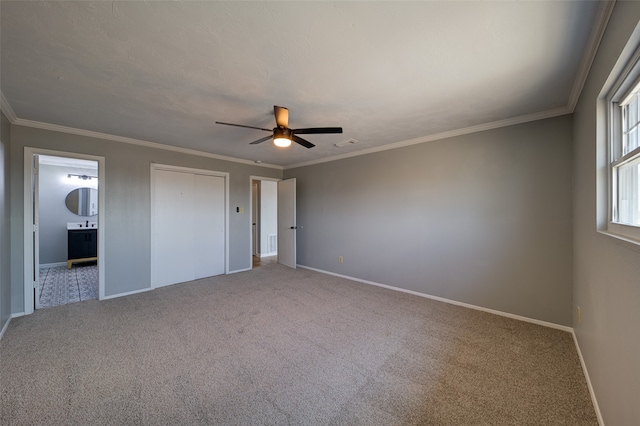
52	265
4	328
442	299
274	253
6	324
586	376
128	293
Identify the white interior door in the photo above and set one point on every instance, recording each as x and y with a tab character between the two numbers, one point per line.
209	226
174	231
189	227
287	222
37	289
254	219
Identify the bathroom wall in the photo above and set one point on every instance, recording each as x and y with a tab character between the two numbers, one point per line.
54	215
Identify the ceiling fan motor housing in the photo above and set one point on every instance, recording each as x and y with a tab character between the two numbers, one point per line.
282	132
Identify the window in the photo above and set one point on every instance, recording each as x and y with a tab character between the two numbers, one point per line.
625	164
624	153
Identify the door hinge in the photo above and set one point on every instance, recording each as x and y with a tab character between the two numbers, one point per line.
35	284
35	228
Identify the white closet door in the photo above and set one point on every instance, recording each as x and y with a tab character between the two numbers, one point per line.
174	231
189	228
209	226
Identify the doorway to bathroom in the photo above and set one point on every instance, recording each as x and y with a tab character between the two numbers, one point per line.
63	232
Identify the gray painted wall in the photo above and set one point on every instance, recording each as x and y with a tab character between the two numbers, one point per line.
483	219
606	270
5	248
127	214
54	214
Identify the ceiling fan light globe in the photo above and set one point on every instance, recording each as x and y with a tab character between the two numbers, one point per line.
282	142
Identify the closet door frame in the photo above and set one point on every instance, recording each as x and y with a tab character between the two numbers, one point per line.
166	167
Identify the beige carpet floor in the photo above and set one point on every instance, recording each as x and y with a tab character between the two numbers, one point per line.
277	346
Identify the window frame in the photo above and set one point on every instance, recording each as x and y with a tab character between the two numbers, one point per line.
627	85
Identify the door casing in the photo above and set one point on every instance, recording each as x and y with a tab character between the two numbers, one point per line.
28	216
251	209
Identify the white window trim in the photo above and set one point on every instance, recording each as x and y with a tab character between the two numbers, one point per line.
626	84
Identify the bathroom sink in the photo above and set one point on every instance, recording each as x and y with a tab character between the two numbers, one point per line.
82	225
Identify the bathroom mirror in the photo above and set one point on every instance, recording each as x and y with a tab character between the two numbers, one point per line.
83	201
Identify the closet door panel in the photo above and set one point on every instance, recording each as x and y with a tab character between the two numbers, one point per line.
174	227
208	242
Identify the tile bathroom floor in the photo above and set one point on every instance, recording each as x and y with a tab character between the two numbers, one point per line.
61	286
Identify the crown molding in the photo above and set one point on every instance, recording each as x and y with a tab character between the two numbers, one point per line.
131	141
13	119
605	8
444	135
429	138
6	108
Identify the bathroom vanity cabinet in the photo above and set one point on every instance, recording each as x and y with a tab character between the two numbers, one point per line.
82	245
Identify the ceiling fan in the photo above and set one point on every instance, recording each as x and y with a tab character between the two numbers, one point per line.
282	135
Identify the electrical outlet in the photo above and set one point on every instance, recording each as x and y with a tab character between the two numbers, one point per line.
578	315
340	259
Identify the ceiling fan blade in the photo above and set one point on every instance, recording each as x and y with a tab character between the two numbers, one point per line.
242	125
266	138
302	142
317	130
282	116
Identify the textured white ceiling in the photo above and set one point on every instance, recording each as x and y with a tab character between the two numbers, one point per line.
386	72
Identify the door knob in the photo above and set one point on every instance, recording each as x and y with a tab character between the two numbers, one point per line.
294	227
